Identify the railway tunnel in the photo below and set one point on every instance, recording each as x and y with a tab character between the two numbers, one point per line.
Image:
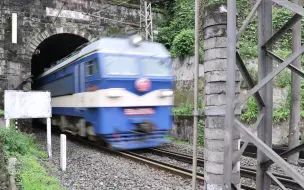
53	49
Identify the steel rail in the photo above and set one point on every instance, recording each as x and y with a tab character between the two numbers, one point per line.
245	171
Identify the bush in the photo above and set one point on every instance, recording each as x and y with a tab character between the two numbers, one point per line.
251	115
283	79
29	172
200	130
34	177
183	109
187	109
14	143
183	44
180	17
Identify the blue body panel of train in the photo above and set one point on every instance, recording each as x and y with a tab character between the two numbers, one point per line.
111	122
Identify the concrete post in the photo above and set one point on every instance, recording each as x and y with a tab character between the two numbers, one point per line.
215	68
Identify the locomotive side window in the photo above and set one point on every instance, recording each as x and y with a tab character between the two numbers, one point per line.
92	67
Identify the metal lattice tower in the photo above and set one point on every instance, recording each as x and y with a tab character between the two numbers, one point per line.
262	92
146	25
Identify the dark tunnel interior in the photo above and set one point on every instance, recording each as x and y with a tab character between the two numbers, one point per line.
53	49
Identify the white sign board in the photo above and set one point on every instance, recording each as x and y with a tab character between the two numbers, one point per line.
66	14
24	105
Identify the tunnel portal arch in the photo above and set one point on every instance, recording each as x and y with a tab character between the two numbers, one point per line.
52	45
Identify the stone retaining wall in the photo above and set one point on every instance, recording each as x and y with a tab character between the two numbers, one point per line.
183	130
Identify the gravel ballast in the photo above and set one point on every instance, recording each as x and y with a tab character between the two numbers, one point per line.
89	168
245	161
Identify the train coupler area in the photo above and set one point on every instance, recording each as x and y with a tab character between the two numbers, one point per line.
130	145
136	140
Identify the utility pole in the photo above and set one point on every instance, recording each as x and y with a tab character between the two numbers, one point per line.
293	137
146	24
195	111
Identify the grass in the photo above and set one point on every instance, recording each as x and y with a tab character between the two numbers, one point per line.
34	177
177	141
30	174
181	141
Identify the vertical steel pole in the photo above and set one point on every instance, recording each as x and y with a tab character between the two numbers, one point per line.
230	92
7	123
263	181
151	21
293	138
195	112
146	20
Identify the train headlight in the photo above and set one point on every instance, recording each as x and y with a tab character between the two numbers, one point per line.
114	93
166	93
136	40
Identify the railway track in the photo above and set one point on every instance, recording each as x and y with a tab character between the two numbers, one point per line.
137	157
155	163
245	171
251	150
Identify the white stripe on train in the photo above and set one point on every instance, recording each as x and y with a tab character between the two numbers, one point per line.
114	97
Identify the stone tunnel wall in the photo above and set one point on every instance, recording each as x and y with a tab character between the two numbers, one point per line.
36	21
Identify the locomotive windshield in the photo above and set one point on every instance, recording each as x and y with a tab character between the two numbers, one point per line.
120	65
156	67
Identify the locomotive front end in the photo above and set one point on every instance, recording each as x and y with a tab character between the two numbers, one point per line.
138	84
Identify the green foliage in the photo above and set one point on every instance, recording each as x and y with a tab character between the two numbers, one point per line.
178	28
29	172
280	114
186	109
34	177
283	79
249	40
14	143
183	44
280	16
282	53
216	1
251	115
200	130
183	109
177	141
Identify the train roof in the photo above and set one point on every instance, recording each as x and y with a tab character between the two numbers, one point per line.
112	45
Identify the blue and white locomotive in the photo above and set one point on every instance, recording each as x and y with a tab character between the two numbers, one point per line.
116	89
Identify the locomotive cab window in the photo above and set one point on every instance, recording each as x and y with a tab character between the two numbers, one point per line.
92	68
156	67
120	65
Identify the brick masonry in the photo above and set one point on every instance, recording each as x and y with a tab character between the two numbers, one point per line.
215	63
